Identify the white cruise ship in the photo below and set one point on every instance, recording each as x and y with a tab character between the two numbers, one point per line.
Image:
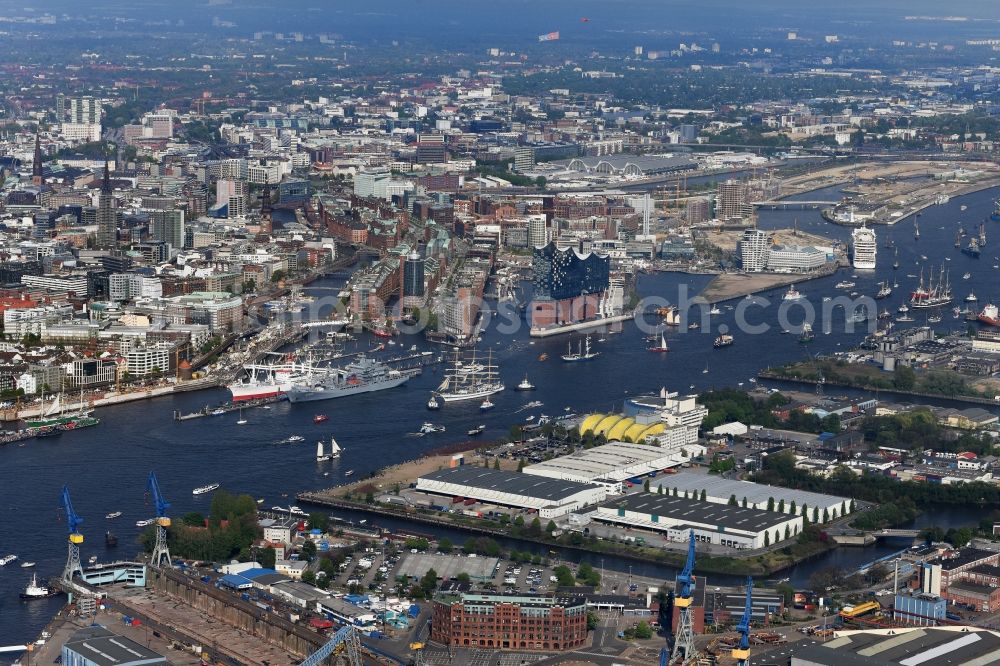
864	247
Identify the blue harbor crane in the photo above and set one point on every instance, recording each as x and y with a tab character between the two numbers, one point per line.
345	644
73	521
684	638
741	653
161	553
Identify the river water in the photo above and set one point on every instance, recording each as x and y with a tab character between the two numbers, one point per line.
106	466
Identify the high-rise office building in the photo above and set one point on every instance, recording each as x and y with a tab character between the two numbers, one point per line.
413	275
538	233
431	149
107	213
36	165
167	226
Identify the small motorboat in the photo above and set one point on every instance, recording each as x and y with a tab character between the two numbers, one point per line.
113	515
321	418
478	430
27	565
92	559
217	412
349	472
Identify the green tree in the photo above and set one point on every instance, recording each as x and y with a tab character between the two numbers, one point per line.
645	485
445	545
904	378
703	495
732	500
564	577
535	528
496	463
770	504
520	465
744	502
781	506
429	582
268	557
792	509
194	519
643	631
767	539
319	521
309	550
551	527
463	578
308	577
519	521
277	276
593	620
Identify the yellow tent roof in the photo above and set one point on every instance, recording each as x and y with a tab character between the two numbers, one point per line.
619	429
607	423
634	431
655	429
590	422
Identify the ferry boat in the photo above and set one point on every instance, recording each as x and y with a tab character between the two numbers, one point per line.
864	248
201	490
661	346
990	315
113	515
478	430
470	379
320	418
323	456
7	559
723	340
583	352
525	385
362	376
36	591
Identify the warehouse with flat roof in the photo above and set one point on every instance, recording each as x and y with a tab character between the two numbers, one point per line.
550	498
614	462
720	524
906	646
757	495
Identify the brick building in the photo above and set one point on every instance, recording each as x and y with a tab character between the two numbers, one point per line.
535	622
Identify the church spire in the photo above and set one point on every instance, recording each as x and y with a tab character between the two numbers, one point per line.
106	185
36	166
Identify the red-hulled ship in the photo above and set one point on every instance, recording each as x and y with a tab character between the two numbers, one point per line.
990	315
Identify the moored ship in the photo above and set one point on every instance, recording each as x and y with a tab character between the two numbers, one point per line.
362	376
262	381
36	591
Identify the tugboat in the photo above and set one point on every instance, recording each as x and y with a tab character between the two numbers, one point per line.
36	591
525	385
486	405
433	403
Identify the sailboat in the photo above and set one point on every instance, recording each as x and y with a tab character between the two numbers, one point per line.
661	346
242	420
334	451
583	352
55	416
895	258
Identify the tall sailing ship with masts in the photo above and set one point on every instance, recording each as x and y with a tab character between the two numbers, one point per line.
934	294
470	377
